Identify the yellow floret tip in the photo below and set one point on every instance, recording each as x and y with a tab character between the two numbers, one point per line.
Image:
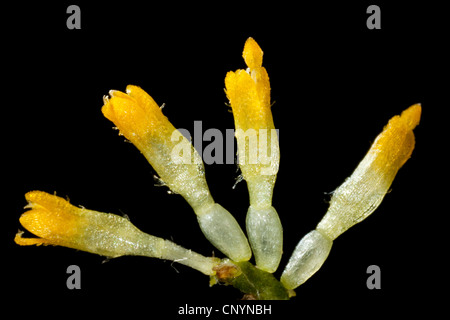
252	54
137	116
411	116
394	146
51	218
249	91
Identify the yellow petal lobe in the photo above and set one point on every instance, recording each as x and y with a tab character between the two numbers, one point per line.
411	116
28	241
252	54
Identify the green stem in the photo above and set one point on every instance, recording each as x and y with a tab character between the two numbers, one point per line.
254	282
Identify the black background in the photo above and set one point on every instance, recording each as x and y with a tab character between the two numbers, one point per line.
335	85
